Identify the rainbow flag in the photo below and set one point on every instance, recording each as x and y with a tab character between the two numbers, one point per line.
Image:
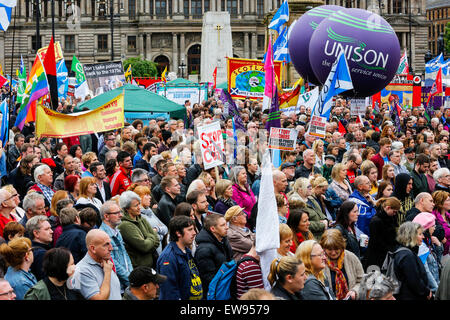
37	87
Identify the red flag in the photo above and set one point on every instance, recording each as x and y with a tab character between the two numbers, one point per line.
437	86
341	128
3	80
215	77
50	70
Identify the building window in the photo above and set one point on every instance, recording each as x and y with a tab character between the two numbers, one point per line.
69	42
261	42
196	9
232	7
132	9
34	45
206	5
397	6
160	8
260	8
131	43
151	7
186	8
102	42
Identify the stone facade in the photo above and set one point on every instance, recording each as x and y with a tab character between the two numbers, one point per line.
438	13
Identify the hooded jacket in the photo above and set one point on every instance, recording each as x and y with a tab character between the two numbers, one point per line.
210	254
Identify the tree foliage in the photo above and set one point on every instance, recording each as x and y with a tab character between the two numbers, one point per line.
447	38
141	67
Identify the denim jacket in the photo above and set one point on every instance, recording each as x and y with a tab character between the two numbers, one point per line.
20	280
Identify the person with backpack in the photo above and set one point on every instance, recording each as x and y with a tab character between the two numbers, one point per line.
287	277
213	248
408	270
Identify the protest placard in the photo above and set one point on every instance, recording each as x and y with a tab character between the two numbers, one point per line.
104	76
282	138
317	126
210	136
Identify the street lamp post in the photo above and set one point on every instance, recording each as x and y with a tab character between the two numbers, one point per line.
112	28
182	67
38	35
53	19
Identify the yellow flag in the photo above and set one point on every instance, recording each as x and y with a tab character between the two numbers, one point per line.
128	74
163	75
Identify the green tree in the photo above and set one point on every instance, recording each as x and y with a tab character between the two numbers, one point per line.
447	38
141	67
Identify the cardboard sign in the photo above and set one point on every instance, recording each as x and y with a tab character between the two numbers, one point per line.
317	126
282	139
210	136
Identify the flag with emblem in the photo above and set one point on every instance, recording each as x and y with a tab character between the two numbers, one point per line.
403	67
6	7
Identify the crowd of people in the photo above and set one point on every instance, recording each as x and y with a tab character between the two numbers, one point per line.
133	214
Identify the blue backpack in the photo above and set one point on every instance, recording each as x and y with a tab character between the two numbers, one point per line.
223	285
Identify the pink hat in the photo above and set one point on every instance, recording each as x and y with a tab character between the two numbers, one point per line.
425	219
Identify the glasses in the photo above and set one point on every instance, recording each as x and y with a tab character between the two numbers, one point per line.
116	212
318	255
144	180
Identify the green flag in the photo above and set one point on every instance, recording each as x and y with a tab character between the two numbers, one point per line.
22	75
77	67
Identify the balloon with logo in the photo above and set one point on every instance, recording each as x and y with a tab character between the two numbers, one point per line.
300	35
370	44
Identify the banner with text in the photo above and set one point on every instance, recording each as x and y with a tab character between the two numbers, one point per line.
246	77
317	126
53	124
282	139
104	76
210	136
307	99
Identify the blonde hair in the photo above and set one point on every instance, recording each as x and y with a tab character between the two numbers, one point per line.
257	294
366	166
407	234
318	180
303	252
221	186
87	158
316	145
282	267
15	251
285	232
59	195
332	239
439	198
336	169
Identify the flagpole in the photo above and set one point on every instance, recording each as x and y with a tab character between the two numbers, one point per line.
10	84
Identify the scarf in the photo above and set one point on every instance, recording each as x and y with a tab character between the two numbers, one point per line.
341	283
229	202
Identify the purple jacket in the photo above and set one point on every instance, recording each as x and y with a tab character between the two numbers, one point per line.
446	227
244	198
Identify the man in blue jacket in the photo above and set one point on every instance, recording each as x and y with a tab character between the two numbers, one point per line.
73	236
177	263
365	203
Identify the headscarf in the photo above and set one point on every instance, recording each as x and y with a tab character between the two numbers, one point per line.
341	282
401	181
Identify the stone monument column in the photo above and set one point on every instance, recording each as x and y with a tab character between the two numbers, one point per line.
174	52
216	33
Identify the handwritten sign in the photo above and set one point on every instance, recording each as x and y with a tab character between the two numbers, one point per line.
210	136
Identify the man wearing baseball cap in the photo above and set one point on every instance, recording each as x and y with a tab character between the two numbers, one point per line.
144	284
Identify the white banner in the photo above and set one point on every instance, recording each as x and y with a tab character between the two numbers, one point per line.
180	95
210	136
317	126
308	99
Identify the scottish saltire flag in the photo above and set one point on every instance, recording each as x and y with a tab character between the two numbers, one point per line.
280	17
280	47
62	78
338	81
37	87
5	13
4	122
403	67
431	69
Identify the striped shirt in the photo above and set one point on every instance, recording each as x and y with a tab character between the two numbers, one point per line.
248	276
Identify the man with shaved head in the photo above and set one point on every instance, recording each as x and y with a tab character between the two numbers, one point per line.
95	276
307	168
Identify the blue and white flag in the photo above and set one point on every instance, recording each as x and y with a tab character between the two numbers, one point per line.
434	64
338	81
280	47
5	13
62	79
280	17
4	122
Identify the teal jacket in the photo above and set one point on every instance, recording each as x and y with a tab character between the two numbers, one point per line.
38	292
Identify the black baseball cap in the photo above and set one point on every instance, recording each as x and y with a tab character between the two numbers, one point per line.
143	275
287	165
409	150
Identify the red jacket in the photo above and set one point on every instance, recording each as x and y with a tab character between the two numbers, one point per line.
119	181
379	162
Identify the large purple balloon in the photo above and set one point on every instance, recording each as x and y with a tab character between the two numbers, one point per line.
370	45
300	35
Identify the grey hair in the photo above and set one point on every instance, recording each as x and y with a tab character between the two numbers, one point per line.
34	224
407	234
137	174
30	200
397	145
194	186
106	208
234	172
126	198
40	171
68	216
305	153
376	285
359	180
4	194
61	204
439	173
420	196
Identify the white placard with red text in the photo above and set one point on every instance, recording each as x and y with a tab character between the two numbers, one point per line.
207	134
317	126
282	138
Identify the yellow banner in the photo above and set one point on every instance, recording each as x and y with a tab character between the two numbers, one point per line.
58	52
50	123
